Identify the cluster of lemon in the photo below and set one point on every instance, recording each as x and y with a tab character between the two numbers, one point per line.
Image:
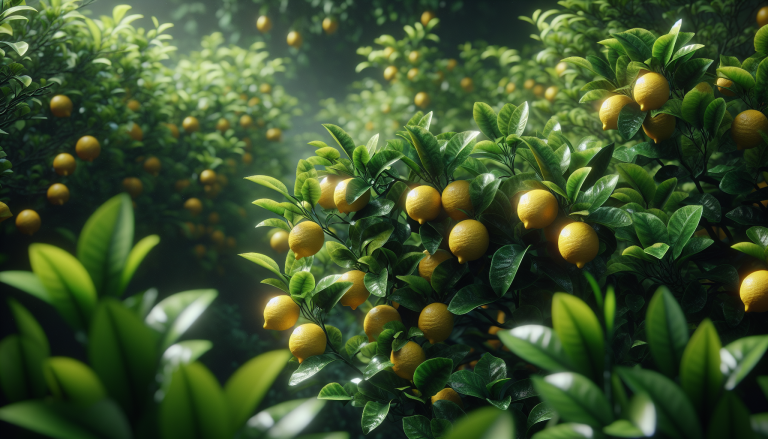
538	90
294	38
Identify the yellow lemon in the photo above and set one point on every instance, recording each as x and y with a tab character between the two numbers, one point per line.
306	239
5	212
448	394
426	17
550	93
173	129
88	148
190	124
538	90
133	186
135	132
704	88
327	187
423	204
746	127
340	198
609	111
390	72
414	56
455	198
659	128
208	176
407	359
330	25
28	222
388	51
58	194
274	134
754	292
528	84
279	241
537	209
266	89
468	240
222	125
421	99
578	243
725	82
762	16
436	322
61	106
134	105
651	91
357	294
452	63
64	164
307	341
194	206
510	87
552	231
467	84
560	68
281	313
263	24
294	39
412	73
153	166
246	121
429	263
377	318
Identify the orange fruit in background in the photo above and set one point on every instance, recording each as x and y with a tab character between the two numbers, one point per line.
265	88
294	39
133	186
252	102
330	25
88	148
246	121
725	82
528	84
208	176
414	56
134	105
263	24
412	73
247	158
135	132
248	144
659	128
194	206
279	241
510	88
64	164
421	99
550	93
153	165
28	222
390	72
452	63
426	17
746	127
61	106
467	84
222	125
174	130
58	194
182	184
538	90
274	134
190	124
5	212
762	16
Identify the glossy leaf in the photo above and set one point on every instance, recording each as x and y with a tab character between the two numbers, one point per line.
630	120
739	357
573	185
311	366
666	330
374	414
700	375
548	162
484	423
486	119
61	420
428	150
470	297
21	368
638	178
575	398
650	229
580	332
504	265
599	192
195	406
248	386
538	345
682	224
134	259
432	375
468	383
174	315
335	392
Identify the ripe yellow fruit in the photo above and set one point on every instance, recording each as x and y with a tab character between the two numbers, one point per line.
190	124
133	186
265	88
407	359
208	176
537	209
153	165
651	91
58	194
510	87
294	39
578	243
436	322
246	121
452	63
390	72
64	164
754	292
609	111
330	25
133	105
724	82
263	24
194	206
426	17
357	294
222	125
455	197
340	198
528	84
468	240
88	148
428	264
386	108
421	99
414	56
28	222
306	239
181	184
762	16
252	102
659	128
467	84
135	132
538	90
560	68
307	341
274	134
218	237
448	394
5	212
423	204
61	106
552	231
279	241
247	158
388	51
377	318
746	127
550	93
412	73
281	313
174	130
327	187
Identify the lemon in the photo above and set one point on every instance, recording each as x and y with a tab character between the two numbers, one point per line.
153	166
552	231
330	25
467	84
448	394
704	88
307	341
294	39
340	198
724	82
133	186
550	93
281	313
609	111
58	194
265	88
208	176
263	24
762	16
279	241
421	99
414	56
247	158
222	125
538	90
28	222
134	105
377	318
412	73
252	102
578	243
560	68
327	187
135	132
428	264
390	72
306	239
528	84
357	293
174	130
388	51
455	198
274	134
651	91
190	124
659	128
407	359
61	106
87	148
194	206
5	212
452	63
500	317
537	209
746	127
754	292
423	204
246	121
510	87
64	164
181	184
386	108
426	17
436	322
468	240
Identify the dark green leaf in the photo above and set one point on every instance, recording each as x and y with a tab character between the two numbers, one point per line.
470	297
666	330
21	368
650	229
311	366
548	162
682	224
374	414
609	217
630	120
330	295
342	138
432	375
538	345
428	150
486	119
468	383
579	330
575	398
491	368
700	375
103	420
194	406
417	427
731	418
504	267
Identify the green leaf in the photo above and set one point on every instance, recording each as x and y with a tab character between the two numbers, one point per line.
334	392
360	158
666	330
575	398
609	217
356	188
194	406
663	192
28	326
689	73
28	282
484	423
173	316
121	350
595	95
469	383
482	190
342	138
635	47
548	162
61	420
504	266
657	250
486	119
575	181
700	375
731	418
713	115
105	243
694	106
374	414
630	120
638	178
538	345
682	224
447	274
599	192
376	284
491	368
432	375
271	183
263	261
311	366
753	250
21	368
469	298
382	161
428	150
599	164
664	47
650	229
758	235
71	380
502	121
417	427
740	357
135	257
310	191
458	150
579	330
739	76
329	296
408	262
